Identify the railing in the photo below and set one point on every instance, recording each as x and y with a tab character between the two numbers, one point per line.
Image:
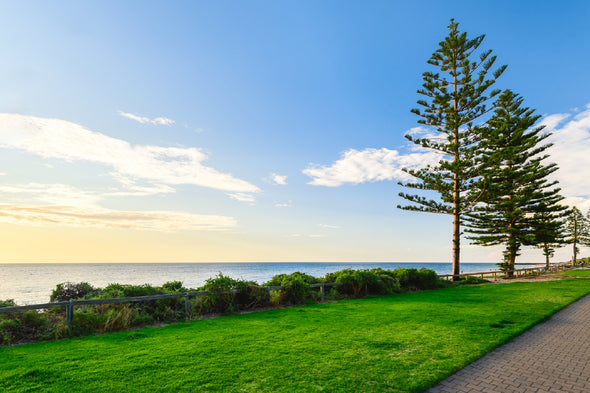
187	295
515	273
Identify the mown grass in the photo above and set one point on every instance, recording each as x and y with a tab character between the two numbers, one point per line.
399	343
576	273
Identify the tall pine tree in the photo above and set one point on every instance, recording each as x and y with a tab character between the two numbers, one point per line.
516	188
454	98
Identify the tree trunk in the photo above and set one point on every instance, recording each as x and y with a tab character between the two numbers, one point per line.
575	253
456	246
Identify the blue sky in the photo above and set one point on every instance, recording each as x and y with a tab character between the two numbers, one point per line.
148	131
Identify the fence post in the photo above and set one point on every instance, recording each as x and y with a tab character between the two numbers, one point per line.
322	291
187	306
69	314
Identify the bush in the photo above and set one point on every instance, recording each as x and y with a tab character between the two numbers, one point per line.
219	302
174	287
417	279
296	289
470	280
70	291
7	303
26	326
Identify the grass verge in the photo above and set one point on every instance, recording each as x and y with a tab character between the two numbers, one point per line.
399	343
576	273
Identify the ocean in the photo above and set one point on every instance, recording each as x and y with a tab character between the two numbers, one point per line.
33	283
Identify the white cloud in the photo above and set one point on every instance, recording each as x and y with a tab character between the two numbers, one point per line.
369	165
96	217
2	174
136	190
288	204
242	197
278	179
329	226
571	152
70	206
164	121
54	138
55	194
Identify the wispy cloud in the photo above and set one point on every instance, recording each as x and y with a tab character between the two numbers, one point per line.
369	165
164	121
54	138
278	179
80	217
64	205
242	197
329	226
55	194
285	204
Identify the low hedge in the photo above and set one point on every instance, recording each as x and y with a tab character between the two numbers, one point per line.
32	325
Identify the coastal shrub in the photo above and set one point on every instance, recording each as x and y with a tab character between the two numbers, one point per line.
7	303
256	296
417	279
387	283
355	282
87	321
296	287
70	291
28	326
364	282
470	280
222	300
173	287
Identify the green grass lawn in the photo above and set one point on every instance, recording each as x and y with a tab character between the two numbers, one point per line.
576	273
400	343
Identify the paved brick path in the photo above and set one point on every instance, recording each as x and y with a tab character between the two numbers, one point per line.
551	357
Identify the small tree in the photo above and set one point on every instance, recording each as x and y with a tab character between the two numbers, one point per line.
577	231
516	188
455	97
549	233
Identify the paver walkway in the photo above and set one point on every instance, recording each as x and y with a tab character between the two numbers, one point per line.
554	356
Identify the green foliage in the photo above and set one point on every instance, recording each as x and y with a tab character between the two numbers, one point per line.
7	303
219	302
173	287
417	279
27	326
296	289
577	231
359	283
471	280
454	94
520	205
70	291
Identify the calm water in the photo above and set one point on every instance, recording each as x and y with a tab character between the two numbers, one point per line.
33	283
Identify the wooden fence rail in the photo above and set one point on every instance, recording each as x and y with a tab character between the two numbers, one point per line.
516	272
187	295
